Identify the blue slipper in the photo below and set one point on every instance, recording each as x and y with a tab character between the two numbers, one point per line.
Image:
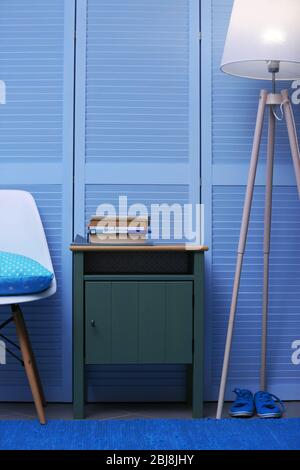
243	406
266	406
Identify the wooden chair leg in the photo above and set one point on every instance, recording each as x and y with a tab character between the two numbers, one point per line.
37	375
29	363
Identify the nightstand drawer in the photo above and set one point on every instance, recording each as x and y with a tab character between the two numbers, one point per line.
138	322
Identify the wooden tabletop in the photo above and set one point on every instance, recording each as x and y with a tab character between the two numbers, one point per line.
94	247
80	244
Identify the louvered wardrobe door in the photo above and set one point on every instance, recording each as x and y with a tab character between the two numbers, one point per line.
234	107
137	131
36	64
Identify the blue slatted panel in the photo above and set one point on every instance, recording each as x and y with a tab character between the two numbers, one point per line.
234	107
235	102
36	57
31	63
137	97
139	383
139	64
138	120
284	319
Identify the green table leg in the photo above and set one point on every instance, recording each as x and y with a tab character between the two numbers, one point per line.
78	338
189	382
198	358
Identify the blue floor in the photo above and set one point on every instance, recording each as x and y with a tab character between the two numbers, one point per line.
157	434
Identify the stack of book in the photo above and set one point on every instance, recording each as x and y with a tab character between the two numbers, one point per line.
118	230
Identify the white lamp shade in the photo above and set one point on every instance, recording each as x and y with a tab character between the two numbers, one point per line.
261	31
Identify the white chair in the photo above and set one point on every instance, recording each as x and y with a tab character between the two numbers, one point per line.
22	232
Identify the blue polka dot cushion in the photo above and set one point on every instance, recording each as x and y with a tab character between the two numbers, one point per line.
22	275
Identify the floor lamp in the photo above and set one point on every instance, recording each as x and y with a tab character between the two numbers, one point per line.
263	43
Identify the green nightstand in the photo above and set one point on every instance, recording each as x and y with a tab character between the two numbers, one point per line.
141	304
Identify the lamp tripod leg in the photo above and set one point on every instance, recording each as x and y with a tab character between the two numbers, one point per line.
242	244
267	240
294	144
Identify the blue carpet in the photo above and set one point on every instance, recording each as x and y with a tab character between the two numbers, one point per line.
159	434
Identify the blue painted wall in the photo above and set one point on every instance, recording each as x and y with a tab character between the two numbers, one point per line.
227	138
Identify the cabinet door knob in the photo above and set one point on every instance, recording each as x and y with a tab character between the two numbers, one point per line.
93	323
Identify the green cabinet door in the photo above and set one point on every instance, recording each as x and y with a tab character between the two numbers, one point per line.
124	330
152	322
139	322
111	322
166	322
179	322
98	347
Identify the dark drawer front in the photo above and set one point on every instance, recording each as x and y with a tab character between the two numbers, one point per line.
138	322
142	262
